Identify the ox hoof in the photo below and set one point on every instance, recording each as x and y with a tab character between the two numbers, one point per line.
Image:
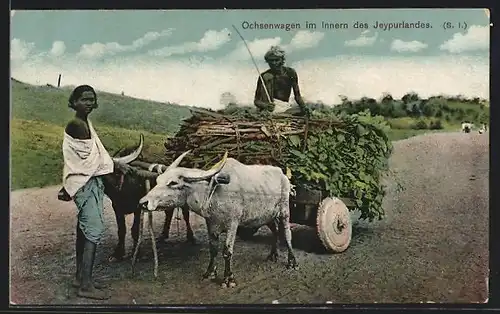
93	293
292	265
273	257
209	276
228	283
115	258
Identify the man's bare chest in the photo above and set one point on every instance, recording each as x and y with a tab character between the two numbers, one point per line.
279	81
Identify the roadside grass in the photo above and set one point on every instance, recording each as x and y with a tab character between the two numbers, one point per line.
36	150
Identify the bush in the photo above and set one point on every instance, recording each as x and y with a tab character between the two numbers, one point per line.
420	125
401	123
435	125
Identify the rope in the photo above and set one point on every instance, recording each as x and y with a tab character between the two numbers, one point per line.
177	219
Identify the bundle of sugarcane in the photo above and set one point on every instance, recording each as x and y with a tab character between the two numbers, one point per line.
343	155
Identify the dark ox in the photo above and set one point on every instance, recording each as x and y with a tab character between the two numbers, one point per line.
125	191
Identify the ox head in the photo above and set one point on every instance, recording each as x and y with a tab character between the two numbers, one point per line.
177	183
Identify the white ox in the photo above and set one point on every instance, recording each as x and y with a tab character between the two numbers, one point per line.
229	195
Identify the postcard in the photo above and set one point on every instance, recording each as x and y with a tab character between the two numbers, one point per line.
249	156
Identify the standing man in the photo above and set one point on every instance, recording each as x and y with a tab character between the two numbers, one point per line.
86	162
279	81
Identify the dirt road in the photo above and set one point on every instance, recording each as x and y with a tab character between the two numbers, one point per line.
432	246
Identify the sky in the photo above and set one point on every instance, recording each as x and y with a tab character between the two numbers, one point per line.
192	57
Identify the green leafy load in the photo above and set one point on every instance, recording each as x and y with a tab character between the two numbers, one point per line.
341	155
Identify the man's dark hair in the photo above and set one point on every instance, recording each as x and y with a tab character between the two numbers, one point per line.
77	93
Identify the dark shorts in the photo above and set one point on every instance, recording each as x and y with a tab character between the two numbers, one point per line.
89	201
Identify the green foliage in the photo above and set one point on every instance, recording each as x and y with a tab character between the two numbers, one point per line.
344	161
435	125
452	109
420	124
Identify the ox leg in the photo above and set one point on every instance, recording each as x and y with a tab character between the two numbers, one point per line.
120	247
135	229
292	262
213	242
273	256
229	281
166	225
189	230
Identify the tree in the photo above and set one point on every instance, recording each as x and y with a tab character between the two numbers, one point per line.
404	107
427	110
227	98
415	111
387	98
410	97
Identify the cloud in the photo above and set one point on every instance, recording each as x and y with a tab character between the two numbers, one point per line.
362	41
211	40
58	48
476	38
305	39
407	46
259	46
97	50
204	84
20	50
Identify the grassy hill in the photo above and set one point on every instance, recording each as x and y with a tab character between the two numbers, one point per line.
50	104
39	114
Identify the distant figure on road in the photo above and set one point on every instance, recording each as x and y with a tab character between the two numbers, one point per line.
467	126
279	81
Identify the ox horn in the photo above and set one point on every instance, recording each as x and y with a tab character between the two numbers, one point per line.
133	156
177	161
209	173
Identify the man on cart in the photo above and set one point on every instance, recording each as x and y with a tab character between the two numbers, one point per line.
279	81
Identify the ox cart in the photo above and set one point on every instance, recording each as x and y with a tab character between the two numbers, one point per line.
334	163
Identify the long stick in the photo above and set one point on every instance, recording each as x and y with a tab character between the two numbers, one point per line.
254	63
138	244
151	232
153	241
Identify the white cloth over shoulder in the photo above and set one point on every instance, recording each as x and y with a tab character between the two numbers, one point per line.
84	159
281	106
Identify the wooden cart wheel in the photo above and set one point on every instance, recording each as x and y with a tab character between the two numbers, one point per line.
333	224
246	233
